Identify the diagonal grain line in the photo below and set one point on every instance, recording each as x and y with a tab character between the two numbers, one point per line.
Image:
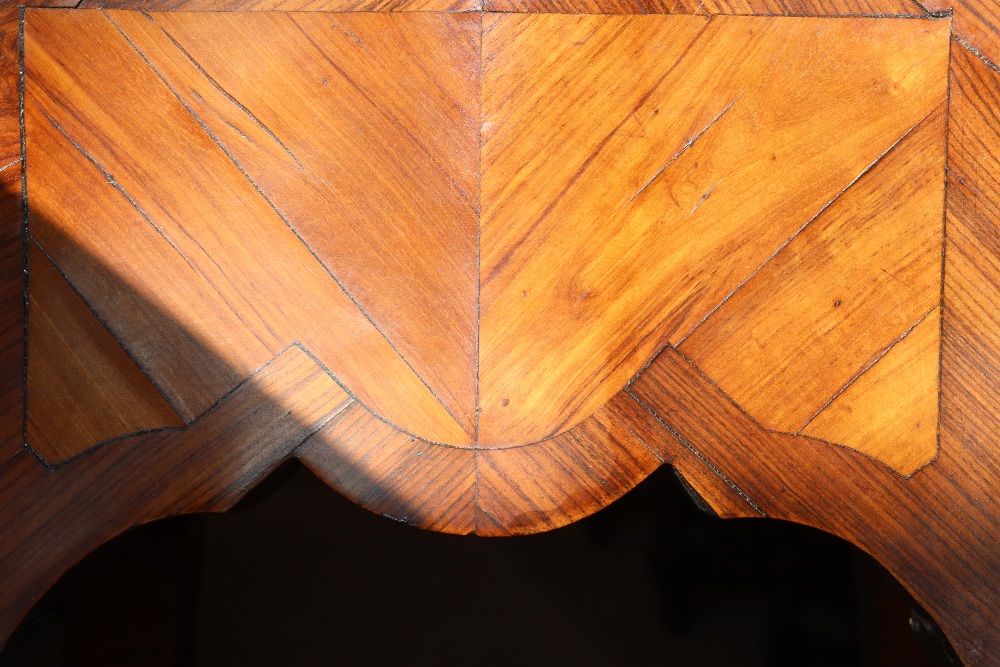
866	368
699	455
107	327
131	200
509	255
688	144
232	99
801	229
934	14
641	440
382	112
194	422
374	414
750	418
109	177
288	224
337	411
703	198
976	52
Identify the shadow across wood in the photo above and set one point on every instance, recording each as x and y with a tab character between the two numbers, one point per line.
54	514
295	574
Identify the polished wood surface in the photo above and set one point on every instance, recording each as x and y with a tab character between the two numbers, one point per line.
669	181
484	272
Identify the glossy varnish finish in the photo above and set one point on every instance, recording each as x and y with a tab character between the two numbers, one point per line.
484	272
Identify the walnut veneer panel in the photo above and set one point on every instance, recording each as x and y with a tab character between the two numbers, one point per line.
484	272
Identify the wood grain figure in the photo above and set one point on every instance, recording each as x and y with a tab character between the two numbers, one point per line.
484	267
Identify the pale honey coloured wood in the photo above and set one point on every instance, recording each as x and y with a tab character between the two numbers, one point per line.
416	150
891	412
637	223
484	272
845	290
210	219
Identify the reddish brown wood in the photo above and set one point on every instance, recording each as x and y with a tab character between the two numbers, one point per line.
310	203
205	467
283	5
976	25
549	484
713	7
11	247
80	373
394	474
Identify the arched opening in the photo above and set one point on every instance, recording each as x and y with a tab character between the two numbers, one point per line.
297	575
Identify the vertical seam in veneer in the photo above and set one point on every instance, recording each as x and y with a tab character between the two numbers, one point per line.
479	269
944	243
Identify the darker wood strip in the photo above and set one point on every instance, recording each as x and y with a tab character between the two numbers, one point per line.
553	483
206	467
932	532
393	474
724	500
11	241
975	23
11	312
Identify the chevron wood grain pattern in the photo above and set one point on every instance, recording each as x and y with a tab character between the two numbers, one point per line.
816	287
399	116
890	411
283	5
553	483
212	225
937	530
920	529
647	169
425	252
